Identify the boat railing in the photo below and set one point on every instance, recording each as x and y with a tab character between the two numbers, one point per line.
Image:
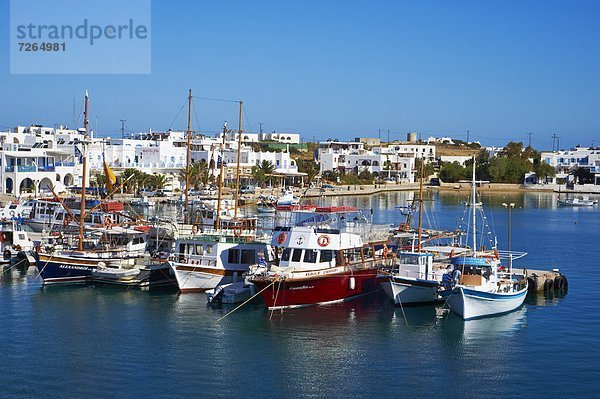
503	254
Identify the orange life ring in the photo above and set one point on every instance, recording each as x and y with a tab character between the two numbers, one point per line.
281	238
323	240
237	231
386	251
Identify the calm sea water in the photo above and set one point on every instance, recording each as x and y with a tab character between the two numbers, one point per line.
105	342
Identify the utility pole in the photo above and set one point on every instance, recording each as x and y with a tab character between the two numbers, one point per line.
388	136
530	134
553	141
260	127
123	128
468	136
379	135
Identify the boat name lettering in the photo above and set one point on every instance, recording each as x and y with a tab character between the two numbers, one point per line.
73	267
302	287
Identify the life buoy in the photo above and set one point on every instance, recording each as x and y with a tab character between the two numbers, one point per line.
237	231
66	221
281	238
323	240
386	251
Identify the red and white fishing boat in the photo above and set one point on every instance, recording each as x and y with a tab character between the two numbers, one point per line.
327	255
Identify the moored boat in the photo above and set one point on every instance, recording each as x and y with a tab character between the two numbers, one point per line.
325	257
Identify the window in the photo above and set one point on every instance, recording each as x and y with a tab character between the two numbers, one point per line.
310	256
199	249
233	256
248	256
209	249
297	255
285	256
326	255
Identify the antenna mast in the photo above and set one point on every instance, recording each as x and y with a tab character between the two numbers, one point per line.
239	153
83	178
187	166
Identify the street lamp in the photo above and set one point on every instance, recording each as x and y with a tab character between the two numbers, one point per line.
509	207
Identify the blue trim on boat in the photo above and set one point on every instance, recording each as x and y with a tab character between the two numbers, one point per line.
492	295
471	261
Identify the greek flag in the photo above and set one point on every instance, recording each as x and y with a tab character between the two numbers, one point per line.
219	160
261	261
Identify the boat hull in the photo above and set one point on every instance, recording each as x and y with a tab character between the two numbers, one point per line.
199	279
323	289
472	304
62	269
410	291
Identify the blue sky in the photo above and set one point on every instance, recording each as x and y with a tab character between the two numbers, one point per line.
341	69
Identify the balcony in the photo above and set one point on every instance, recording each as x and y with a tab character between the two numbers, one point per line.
20	168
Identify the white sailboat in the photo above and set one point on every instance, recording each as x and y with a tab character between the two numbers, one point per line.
482	290
415	279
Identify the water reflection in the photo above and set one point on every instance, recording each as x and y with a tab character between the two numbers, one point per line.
486	328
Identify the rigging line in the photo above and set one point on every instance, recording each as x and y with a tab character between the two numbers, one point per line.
247	120
78	117
178	113
215	99
195	116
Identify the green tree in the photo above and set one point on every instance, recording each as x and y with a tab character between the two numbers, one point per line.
583	176
453	172
428	168
133	178
262	172
308	166
157	181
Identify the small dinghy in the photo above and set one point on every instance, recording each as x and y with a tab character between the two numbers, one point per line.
230	293
117	274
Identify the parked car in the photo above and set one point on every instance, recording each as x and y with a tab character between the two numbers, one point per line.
208	191
195	192
328	187
249	189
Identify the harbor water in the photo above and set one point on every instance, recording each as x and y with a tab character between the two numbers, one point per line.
97	342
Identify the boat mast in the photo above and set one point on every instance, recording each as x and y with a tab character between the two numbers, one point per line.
420	204
237	172
473	210
83	178
187	166
220	177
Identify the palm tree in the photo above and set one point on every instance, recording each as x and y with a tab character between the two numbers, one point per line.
132	178
158	181
262	172
199	174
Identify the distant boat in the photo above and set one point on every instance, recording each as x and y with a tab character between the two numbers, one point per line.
288	198
576	202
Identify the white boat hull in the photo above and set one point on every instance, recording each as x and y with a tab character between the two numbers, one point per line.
407	291
471	304
198	279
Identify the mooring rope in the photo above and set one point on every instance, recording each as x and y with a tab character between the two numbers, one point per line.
248	300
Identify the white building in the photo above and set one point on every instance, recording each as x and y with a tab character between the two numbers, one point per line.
567	161
351	157
287	138
36	158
